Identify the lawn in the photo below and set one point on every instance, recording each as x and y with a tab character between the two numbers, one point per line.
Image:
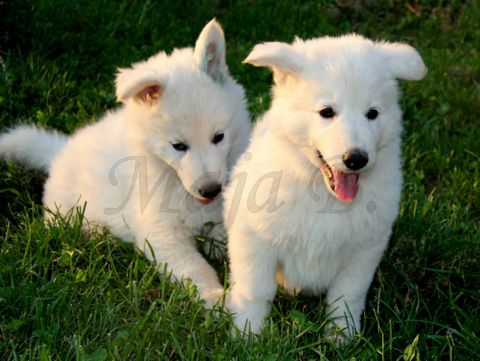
69	295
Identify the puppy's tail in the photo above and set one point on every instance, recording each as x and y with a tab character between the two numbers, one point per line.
33	146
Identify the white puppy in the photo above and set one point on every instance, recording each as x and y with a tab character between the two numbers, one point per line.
152	169
312	202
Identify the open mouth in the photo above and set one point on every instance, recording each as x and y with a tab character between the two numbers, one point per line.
343	185
205	201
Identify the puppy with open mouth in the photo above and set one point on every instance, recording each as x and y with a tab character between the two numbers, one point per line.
334	114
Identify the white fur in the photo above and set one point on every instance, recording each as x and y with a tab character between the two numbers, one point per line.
284	224
32	146
125	168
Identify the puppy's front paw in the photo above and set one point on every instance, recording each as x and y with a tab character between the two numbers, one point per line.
213	297
245	326
341	330
338	336
248	317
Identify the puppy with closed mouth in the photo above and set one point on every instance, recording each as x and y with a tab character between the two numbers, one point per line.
327	156
152	170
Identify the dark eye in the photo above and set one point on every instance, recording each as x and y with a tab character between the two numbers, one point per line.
372	114
181	147
217	138
327	112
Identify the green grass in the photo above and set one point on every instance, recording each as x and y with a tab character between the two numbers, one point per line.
67	295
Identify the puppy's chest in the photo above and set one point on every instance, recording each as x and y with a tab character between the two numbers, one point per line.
188	214
313	271
201	217
318	224
316	237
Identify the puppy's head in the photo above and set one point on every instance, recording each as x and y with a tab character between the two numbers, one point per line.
336	99
185	110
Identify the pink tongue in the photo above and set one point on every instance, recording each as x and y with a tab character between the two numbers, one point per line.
346	185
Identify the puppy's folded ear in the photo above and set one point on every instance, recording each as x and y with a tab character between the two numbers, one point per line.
210	52
403	61
282	58
134	84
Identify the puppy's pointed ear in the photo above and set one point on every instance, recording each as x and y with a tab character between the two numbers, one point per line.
210	52
142	87
282	58
403	61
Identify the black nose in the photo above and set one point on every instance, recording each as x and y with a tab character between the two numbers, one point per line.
355	159
210	191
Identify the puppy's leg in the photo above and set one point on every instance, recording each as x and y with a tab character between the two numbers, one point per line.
253	267
346	297
185	262
281	281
